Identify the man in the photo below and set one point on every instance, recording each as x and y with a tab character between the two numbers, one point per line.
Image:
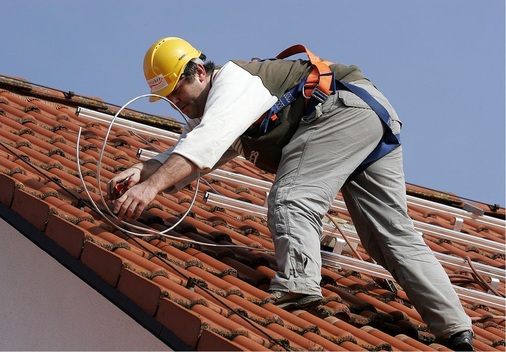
327	141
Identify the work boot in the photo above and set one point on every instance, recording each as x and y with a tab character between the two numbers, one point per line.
461	341
291	300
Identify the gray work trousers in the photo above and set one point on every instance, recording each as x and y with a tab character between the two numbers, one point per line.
327	147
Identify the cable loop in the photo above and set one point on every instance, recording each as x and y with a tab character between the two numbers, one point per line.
147	231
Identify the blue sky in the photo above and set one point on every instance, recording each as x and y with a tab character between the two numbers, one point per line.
441	63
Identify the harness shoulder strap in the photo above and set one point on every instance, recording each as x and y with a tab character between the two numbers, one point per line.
321	77
318	85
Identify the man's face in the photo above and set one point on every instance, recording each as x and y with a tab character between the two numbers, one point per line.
190	96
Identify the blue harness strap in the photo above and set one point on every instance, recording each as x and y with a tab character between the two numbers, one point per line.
322	84
285	100
389	141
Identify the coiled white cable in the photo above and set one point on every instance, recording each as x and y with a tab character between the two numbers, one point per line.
148	231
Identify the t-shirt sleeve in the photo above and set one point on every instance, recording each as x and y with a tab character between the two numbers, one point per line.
236	100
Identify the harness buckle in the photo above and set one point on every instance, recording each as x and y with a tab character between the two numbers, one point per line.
317	94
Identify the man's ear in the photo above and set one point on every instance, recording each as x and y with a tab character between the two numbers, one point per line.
201	72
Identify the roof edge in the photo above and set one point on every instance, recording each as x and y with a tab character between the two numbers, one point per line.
92	279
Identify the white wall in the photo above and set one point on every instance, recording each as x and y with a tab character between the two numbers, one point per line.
43	306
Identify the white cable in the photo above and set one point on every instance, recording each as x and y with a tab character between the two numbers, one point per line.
142	228
99	166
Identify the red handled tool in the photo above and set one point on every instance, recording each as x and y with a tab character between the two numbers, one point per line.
121	187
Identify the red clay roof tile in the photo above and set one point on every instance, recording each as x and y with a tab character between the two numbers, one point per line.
142	291
247	344
33	209
103	262
68	236
181	321
8	188
210	341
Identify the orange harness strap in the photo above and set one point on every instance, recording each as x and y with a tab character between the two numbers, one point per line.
320	77
319	82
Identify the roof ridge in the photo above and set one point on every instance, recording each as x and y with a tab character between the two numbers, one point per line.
24	87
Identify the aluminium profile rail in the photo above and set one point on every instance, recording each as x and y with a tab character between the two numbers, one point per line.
263	185
458	213
127	124
339	205
331	259
222	175
450	261
261	211
258	210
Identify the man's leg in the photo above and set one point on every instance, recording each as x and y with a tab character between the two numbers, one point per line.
314	166
376	201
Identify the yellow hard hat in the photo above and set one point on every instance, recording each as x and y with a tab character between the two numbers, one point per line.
164	64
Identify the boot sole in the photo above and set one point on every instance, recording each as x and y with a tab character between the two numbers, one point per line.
291	305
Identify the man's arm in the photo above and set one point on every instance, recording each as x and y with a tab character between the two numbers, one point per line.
136	198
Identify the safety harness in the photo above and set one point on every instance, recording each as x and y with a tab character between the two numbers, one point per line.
316	89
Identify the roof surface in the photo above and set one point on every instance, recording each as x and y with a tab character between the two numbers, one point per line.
207	283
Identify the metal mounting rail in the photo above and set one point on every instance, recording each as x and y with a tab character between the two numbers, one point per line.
248	181
222	175
458	213
338	261
261	211
459	237
258	210
129	125
458	263
234	204
438	231
265	185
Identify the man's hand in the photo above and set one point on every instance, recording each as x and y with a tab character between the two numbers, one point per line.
146	180
119	184
131	204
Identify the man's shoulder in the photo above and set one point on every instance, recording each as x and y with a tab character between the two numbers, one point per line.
273	64
277	75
